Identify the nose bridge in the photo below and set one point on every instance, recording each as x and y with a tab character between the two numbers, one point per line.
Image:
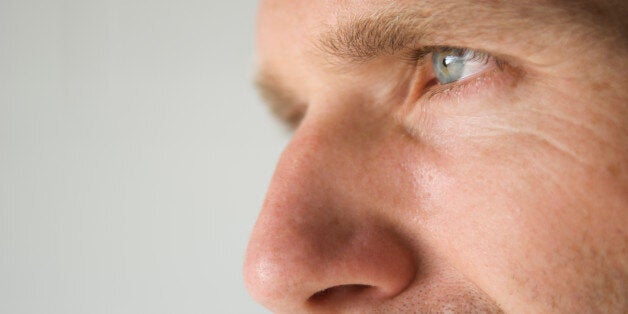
324	161
313	234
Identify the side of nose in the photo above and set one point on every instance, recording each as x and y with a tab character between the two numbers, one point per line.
320	242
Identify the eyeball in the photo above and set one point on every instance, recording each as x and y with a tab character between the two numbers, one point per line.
455	64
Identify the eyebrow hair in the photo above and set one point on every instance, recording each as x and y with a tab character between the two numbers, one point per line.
362	39
400	28
407	29
281	102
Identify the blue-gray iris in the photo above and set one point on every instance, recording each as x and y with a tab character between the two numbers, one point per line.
451	65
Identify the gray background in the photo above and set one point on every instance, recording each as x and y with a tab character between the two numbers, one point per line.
134	155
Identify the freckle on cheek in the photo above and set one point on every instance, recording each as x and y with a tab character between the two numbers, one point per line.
614	170
598	87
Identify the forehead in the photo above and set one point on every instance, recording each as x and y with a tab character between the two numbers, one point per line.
285	32
288	30
286	25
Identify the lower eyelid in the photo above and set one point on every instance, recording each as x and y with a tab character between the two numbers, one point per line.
489	65
428	102
432	89
424	113
456	90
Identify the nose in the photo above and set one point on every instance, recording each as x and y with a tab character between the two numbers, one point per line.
322	242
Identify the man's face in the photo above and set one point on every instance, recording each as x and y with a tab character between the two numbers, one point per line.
447	156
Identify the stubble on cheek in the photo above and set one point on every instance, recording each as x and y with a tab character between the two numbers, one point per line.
443	291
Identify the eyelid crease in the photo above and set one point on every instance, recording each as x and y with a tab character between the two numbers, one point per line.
420	54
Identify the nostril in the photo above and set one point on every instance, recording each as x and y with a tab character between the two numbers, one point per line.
338	293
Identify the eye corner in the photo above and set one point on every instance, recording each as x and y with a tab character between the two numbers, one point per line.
484	70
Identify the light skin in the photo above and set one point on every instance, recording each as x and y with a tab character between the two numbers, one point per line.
504	191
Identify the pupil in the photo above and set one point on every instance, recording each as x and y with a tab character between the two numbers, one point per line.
447	61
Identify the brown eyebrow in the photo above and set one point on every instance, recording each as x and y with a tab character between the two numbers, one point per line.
281	102
408	29
365	38
402	28
355	40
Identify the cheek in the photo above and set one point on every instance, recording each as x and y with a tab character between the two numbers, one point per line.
516	230
509	196
505	226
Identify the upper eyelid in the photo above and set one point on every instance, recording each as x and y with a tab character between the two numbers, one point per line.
524	41
420	54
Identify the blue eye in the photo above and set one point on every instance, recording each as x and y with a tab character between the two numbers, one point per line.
454	64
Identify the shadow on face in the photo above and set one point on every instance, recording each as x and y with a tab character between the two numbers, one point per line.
447	157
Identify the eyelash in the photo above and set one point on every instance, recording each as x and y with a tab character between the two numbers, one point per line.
422	58
419	56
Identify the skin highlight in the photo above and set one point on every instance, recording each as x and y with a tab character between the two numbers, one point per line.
504	192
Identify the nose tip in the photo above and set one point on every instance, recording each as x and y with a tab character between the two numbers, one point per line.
290	271
321	242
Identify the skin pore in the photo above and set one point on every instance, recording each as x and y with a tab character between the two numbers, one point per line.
505	191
